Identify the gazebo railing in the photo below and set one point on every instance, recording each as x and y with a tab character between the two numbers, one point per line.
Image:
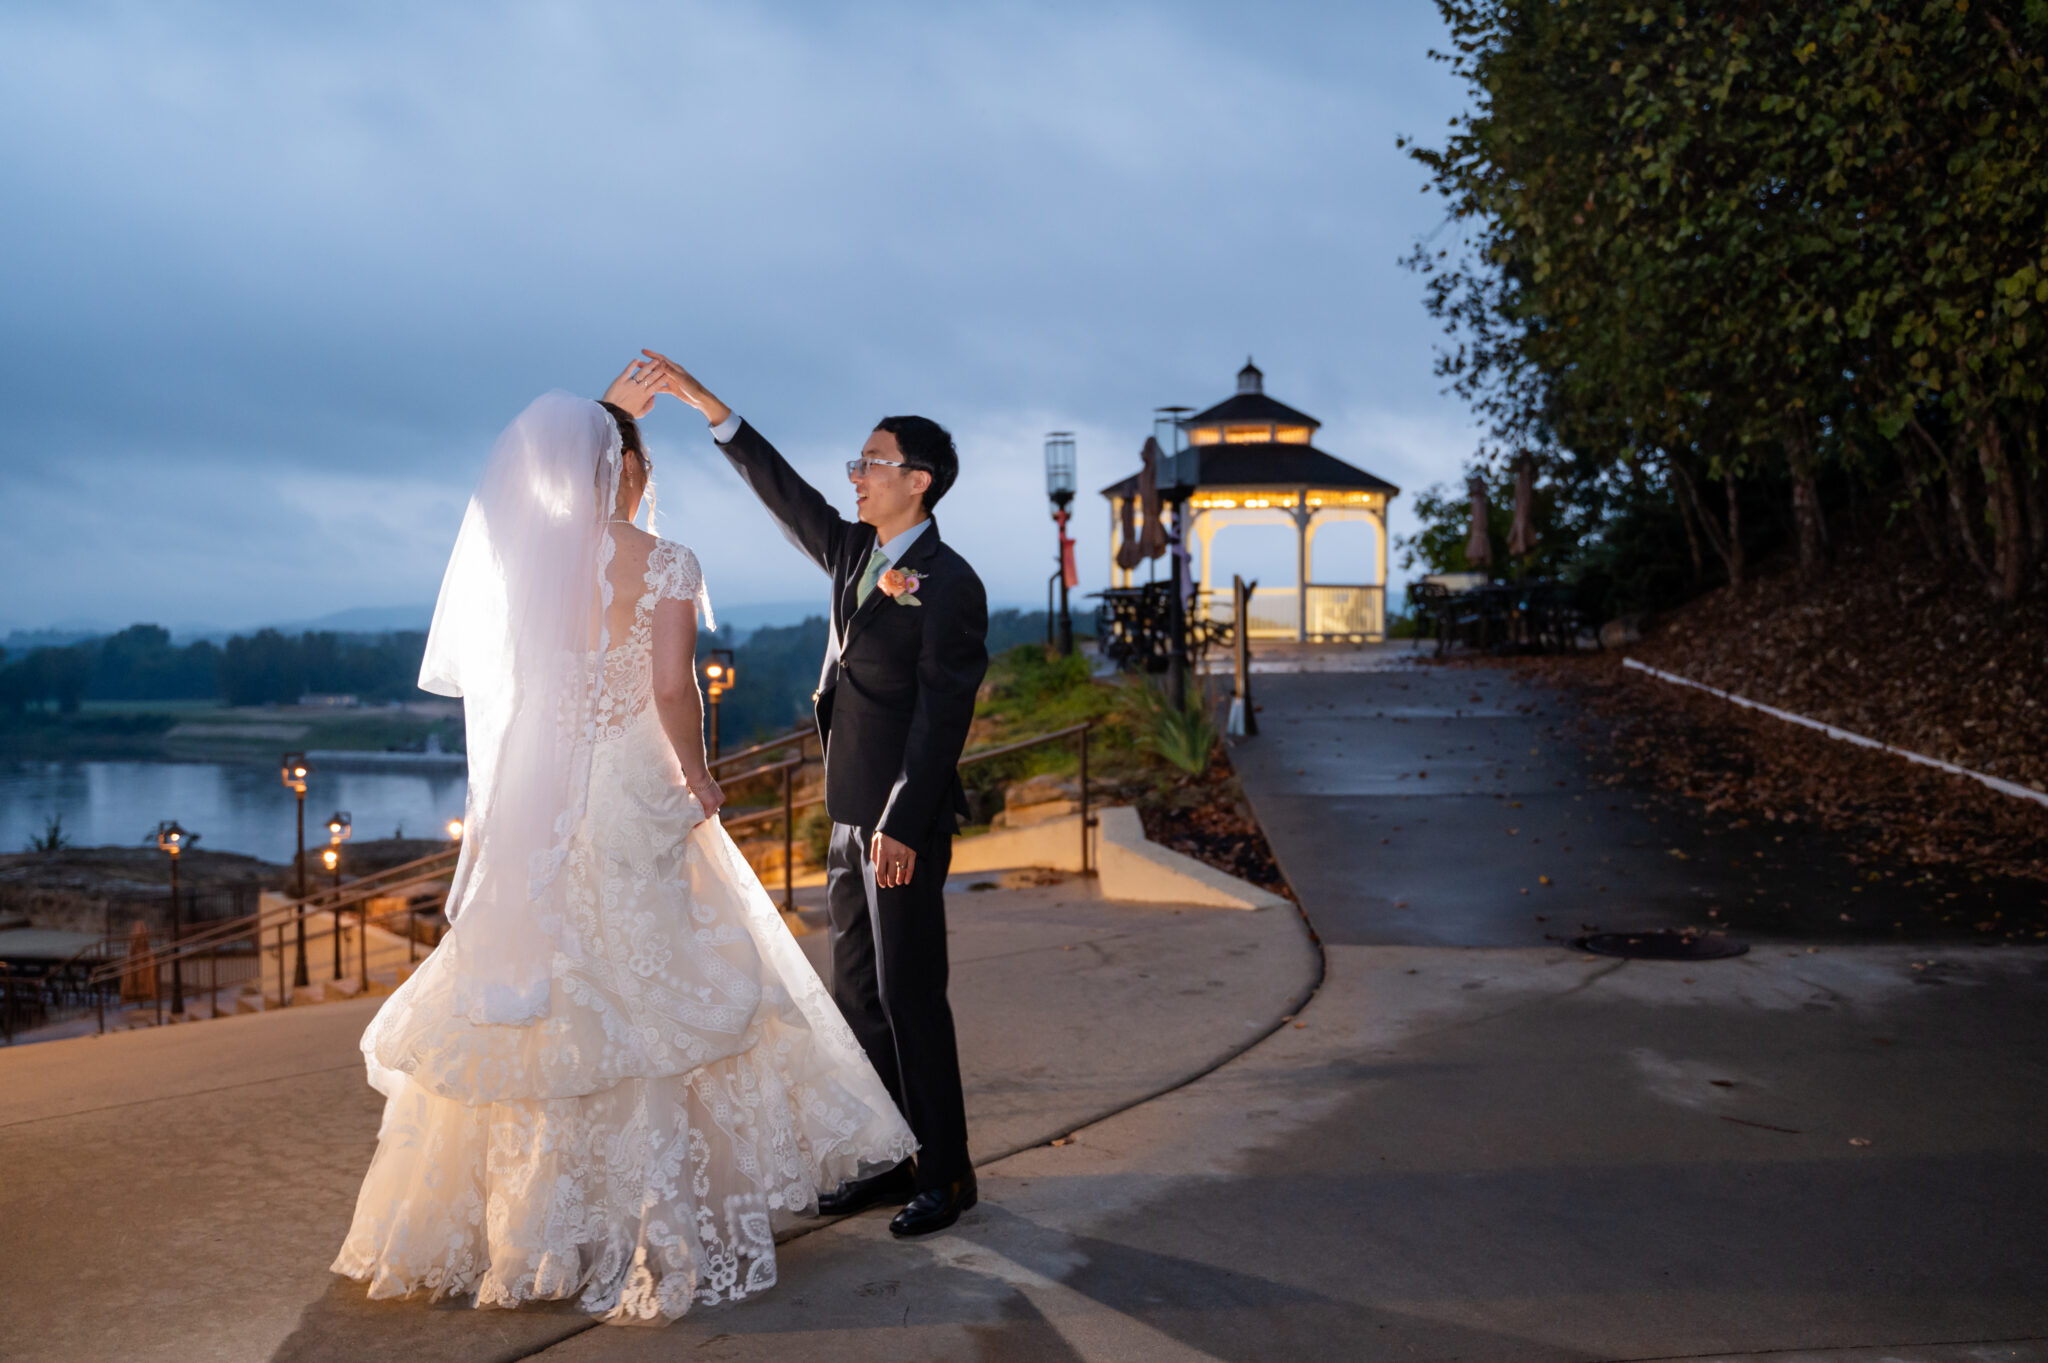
1336	611
1346	611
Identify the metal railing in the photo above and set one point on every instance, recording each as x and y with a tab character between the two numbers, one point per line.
802	738
787	813
232	950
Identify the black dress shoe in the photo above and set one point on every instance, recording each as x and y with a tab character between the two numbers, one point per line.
857	1195
936	1208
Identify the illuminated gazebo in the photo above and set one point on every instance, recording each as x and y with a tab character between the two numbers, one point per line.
1257	466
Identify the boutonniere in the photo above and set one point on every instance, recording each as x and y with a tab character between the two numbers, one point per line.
902	586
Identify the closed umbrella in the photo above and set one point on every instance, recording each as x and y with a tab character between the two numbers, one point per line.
1128	554
1479	547
1152	540
1522	540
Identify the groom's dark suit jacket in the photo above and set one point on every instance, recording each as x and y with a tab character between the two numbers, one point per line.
897	691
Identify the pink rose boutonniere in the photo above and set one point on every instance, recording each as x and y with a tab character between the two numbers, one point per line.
902	586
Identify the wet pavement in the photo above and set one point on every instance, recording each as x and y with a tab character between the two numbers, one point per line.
1460	807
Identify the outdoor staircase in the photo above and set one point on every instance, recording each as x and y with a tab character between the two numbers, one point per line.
351	949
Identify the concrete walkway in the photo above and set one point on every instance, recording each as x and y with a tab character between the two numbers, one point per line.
1503	1149
177	1194
1472	1143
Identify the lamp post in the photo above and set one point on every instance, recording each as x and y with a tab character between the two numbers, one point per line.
1178	478
172	840
719	677
339	829
1059	489
293	773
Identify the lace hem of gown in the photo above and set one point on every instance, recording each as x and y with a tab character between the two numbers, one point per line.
648	1198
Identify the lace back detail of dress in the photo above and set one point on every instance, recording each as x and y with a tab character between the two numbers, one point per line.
673	575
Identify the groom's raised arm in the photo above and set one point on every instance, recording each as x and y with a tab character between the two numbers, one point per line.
807	519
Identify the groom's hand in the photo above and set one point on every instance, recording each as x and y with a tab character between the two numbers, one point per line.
636	388
893	861
672	378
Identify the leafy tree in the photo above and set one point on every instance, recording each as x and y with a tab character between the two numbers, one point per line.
1749	243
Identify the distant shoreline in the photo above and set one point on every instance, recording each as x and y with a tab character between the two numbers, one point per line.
382	738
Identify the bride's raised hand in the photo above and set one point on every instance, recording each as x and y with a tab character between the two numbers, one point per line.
635	389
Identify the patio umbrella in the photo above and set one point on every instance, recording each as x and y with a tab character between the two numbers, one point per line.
1128	554
1479	547
1522	539
1152	540
138	978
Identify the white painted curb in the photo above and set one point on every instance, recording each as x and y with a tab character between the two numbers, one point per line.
2002	787
1128	866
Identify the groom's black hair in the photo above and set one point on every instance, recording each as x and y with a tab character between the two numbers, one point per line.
925	445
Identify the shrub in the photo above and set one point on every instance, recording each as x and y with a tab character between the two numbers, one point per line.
1182	735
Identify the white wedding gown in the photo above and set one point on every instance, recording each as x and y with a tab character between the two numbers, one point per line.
690	1082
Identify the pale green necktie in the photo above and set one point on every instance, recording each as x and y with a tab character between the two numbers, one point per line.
878	563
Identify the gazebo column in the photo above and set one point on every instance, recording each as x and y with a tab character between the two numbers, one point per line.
1302	516
1379	522
1205	531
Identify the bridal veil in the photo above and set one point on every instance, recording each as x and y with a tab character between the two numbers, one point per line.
518	634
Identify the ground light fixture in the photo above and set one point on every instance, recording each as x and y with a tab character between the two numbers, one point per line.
719	676
172	841
293	771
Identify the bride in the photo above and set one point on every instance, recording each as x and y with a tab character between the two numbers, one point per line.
617	1072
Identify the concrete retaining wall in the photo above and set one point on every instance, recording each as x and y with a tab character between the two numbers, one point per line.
1130	867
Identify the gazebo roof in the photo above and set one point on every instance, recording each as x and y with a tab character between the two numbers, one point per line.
1254	409
1263	463
1249	405
1270	463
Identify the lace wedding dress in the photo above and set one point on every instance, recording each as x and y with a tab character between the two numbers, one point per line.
688	1083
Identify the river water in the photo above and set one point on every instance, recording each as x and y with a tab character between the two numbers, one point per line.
233	808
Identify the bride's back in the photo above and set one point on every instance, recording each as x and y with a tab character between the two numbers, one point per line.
627	575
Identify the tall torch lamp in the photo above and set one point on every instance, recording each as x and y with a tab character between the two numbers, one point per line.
719	677
1059	489
1178	478
339	827
293	772
172	840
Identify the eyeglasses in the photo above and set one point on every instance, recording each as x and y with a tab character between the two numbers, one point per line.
858	468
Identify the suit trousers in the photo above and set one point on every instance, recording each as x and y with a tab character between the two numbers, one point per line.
889	979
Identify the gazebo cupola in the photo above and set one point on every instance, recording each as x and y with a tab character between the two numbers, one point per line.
1259	466
1250	417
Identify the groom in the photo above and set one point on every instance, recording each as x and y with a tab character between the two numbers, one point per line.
906	652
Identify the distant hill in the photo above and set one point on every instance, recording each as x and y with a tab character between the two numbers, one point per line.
362	620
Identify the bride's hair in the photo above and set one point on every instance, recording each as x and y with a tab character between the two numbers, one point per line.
629	430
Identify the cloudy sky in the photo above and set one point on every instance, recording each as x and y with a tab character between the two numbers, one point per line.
276	274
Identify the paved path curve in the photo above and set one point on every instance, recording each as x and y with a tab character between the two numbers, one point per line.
1477	1144
177	1194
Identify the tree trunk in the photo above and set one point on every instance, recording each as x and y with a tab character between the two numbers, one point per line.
1735	555
1728	546
1923	515
2034	478
2009	546
1692	537
1959	515
1806	513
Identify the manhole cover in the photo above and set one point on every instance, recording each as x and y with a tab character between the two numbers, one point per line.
1663	945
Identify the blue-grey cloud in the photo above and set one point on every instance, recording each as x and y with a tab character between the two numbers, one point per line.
276	276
